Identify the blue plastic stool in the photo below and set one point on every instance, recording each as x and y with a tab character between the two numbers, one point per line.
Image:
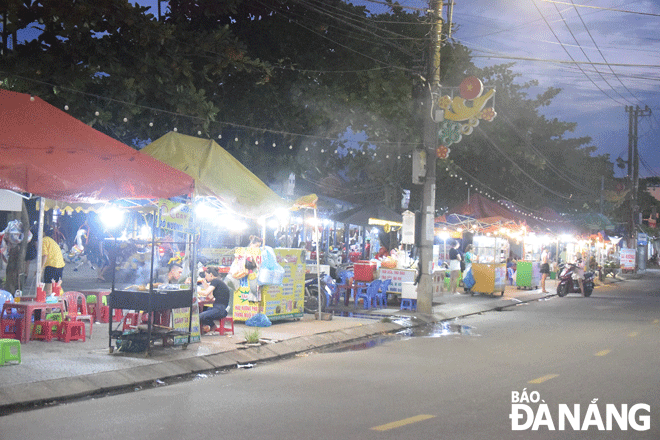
5	351
408	304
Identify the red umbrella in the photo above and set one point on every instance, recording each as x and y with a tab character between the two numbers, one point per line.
47	152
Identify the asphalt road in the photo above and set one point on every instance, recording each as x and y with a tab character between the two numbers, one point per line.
448	382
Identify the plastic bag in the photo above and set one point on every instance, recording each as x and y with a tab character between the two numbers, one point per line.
270	273
468	278
258	320
237	269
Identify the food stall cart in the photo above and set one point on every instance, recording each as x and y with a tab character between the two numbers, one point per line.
490	269
131	292
528	274
276	301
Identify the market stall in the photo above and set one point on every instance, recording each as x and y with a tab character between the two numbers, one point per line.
48	153
161	308
490	269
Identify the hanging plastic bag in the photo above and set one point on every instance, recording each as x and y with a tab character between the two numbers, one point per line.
237	269
270	273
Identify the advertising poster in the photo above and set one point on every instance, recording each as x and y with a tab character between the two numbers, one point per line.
180	320
276	301
217	257
397	276
173	216
246	297
627	259
287	300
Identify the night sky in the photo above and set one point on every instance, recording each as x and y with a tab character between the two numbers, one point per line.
603	54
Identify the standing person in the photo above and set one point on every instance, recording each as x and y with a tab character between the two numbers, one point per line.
52	261
469	257
545	268
454	267
213	288
579	271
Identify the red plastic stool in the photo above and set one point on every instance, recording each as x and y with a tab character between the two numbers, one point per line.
44	330
223	325
131	320
12	328
71	331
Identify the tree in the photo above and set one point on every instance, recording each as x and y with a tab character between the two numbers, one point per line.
121	71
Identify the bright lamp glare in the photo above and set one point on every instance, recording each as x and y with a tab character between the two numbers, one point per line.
273	223
204	211
145	231
111	217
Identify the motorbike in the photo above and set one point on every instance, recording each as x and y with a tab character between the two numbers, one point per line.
569	284
312	291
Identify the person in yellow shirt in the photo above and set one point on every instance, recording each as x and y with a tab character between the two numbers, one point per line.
52	261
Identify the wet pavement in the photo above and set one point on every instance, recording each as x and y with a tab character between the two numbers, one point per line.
57	371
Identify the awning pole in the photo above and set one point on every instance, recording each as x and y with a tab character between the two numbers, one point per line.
40	243
318	264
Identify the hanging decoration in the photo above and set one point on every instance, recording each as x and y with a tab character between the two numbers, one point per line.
462	113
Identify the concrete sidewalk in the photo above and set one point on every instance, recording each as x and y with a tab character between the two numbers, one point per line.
57	371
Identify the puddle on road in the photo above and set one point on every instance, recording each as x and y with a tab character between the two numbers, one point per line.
429	331
438	330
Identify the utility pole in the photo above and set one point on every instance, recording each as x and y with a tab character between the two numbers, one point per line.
633	169
425	287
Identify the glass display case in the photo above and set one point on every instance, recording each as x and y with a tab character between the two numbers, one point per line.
140	285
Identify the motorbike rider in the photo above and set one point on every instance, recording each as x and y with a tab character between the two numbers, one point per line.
578	272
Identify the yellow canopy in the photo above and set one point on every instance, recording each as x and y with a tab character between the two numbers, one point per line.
217	173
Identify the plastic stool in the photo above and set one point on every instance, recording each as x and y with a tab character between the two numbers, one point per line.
5	351
408	304
71	331
12	328
131	320
223	325
44	330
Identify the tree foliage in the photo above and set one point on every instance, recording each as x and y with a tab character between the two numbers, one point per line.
280	83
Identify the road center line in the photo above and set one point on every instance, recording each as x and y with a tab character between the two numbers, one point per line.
656	321
403	422
543	378
602	353
633	334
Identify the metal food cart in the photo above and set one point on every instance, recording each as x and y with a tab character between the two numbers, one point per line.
131	292
490	269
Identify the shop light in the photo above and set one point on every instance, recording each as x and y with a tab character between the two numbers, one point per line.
282	215
273	223
111	216
566	238
444	235
145	232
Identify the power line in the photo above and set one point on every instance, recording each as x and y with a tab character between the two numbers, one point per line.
569	54
602	8
540	185
587	56
601	53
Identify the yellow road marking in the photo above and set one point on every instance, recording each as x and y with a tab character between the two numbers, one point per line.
602	352
633	334
403	422
543	378
656	321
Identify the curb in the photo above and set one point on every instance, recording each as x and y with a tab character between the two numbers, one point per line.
20	397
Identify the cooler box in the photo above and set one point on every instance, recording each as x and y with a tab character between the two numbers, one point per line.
364	270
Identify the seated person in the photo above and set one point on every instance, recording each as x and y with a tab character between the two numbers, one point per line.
173	275
213	288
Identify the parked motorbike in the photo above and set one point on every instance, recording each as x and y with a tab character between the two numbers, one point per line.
569	284
312	291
